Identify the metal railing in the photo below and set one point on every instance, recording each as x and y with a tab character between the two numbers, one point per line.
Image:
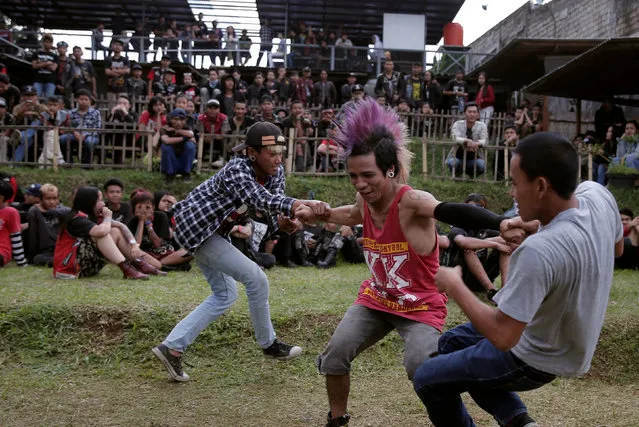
329	56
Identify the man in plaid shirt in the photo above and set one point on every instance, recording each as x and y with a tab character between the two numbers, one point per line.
248	183
266	40
83	117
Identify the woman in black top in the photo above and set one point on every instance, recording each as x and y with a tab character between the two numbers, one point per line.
89	239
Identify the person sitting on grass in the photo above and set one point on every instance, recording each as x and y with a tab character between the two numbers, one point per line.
630	257
178	147
44	226
113	189
152	231
469	249
84	247
10	238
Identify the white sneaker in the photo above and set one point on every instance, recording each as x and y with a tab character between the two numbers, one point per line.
218	163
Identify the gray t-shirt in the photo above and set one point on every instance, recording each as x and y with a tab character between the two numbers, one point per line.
559	283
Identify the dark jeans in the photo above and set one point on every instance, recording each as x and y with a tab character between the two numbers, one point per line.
469	362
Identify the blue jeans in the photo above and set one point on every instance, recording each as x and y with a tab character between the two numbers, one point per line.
45	90
28	139
469	362
223	264
602	168
171	163
87	151
456	163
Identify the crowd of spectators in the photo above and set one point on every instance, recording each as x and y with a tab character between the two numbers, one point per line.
136	235
224	103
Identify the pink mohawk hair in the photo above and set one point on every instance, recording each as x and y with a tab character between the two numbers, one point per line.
364	126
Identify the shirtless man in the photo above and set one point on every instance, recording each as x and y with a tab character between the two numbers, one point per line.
400	248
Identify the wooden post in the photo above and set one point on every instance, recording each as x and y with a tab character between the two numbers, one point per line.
290	157
200	152
56	147
425	156
506	164
149	153
589	166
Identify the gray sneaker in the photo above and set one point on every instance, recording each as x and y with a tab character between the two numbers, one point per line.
282	351
173	364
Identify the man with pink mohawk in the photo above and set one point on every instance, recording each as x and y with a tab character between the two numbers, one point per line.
400	248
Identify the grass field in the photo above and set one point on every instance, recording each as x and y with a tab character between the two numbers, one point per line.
77	353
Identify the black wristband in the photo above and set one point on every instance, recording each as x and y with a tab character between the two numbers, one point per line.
467	216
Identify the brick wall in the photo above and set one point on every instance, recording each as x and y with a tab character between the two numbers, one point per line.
566	19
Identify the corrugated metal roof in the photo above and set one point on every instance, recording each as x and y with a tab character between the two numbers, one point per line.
521	61
85	15
608	69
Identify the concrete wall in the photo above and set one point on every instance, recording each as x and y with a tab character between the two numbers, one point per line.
565	19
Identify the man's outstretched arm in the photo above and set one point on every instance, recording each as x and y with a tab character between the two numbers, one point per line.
466	216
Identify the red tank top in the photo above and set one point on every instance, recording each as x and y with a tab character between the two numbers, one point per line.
402	282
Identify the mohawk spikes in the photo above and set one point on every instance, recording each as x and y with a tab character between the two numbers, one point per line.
366	121
368	124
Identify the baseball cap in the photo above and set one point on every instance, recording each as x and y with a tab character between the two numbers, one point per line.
305	69
357	88
178	112
3	103
116	40
211	102
34	190
261	134
62	44
29	90
266	98
136	67
166	57
351	75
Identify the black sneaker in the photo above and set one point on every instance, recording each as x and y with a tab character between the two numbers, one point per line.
173	364
187	177
282	351
339	421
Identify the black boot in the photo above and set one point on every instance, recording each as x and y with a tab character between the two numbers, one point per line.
329	261
339	421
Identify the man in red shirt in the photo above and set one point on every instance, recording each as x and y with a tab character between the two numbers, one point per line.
400	247
10	232
215	125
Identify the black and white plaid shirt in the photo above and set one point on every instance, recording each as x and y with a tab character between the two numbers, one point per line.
266	36
199	215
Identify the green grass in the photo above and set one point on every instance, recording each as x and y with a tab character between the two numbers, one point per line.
77	353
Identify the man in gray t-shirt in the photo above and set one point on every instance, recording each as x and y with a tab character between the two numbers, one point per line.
551	310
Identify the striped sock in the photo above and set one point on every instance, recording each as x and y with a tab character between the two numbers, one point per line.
18	249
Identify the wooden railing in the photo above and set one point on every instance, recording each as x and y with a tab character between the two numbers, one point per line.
120	146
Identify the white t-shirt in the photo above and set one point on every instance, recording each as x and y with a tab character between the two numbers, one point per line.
559	284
